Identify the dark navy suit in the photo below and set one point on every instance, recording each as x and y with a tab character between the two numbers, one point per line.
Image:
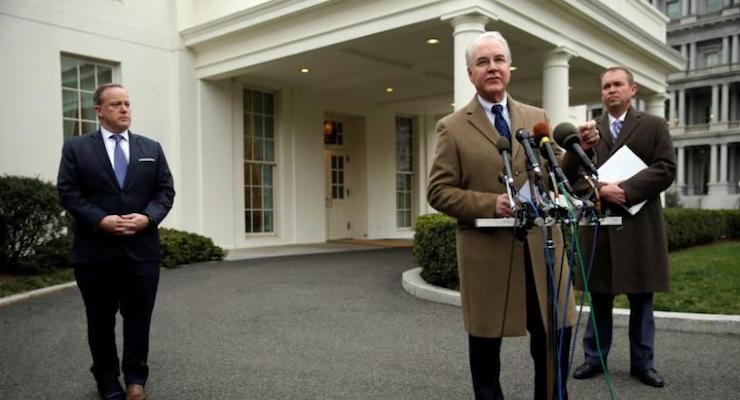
116	272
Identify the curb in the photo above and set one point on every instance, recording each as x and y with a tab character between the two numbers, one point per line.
33	293
414	285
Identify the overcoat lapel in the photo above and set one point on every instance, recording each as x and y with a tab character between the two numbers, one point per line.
631	121
516	112
477	117
98	148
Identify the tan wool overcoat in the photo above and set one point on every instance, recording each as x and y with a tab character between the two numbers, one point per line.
464	184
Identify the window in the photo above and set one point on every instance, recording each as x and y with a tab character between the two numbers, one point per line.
711	57
712	6
404	171
673	9
709	53
259	161
80	78
333	133
337	177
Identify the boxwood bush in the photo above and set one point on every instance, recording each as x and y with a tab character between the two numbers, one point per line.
180	247
34	229
434	250
434	240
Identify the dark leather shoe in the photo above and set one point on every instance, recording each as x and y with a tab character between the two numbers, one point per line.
114	392
648	376
587	371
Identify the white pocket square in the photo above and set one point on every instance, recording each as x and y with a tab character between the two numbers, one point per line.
146	160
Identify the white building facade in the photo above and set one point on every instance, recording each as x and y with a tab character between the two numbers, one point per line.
300	121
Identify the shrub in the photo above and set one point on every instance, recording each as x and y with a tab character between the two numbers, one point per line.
434	250
34	229
689	227
179	248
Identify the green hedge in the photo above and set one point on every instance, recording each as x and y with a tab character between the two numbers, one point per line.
434	250
179	248
34	229
434	240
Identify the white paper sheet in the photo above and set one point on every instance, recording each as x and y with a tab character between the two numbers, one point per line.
621	166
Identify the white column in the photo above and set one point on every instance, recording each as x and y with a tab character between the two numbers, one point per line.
656	104
725	114
684	8
672	108
692	55
555	93
726	50
466	29
713	164
681	169
682	107
714	116
735	49
693	8
723	164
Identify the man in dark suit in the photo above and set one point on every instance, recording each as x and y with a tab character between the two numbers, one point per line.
631	258
118	188
503	280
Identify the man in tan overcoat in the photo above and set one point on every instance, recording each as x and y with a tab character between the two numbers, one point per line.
631	258
503	280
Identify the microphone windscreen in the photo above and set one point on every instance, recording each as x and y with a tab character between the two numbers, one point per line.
522	135
566	134
540	130
503	144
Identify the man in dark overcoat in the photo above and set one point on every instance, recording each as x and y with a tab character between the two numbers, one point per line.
630	259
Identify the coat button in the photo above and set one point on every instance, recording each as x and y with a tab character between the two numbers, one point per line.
516	172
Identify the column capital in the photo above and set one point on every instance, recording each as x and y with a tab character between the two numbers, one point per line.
469	14
559	56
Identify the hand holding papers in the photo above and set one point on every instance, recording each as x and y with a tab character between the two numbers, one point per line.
623	165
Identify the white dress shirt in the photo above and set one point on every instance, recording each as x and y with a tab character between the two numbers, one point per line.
110	144
488	107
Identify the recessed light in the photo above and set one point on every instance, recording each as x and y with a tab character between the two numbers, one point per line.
432	41
305	70
389	89
452	105
513	68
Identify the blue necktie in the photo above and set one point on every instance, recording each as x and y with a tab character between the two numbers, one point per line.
119	161
616	127
501	126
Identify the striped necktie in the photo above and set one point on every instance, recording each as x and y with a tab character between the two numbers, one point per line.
120	163
501	126
616	127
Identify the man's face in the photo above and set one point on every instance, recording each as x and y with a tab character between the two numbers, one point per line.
114	110
617	91
489	70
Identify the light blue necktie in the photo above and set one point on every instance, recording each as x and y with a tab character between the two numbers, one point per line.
616	127
120	163
501	126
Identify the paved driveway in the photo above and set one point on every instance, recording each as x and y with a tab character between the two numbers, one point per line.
326	326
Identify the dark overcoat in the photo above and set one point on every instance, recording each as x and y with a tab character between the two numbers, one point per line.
633	257
463	183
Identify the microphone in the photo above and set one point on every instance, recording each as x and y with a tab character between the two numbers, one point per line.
505	149
523	137
542	137
566	136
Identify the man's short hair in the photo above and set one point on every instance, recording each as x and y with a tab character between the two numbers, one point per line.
495	35
101	89
630	77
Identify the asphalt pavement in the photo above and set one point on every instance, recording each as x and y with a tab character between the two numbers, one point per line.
323	326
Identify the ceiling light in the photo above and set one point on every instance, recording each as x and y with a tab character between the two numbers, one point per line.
305	70
389	89
432	41
513	68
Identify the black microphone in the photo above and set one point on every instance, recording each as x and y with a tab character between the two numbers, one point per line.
505	149
542	136
566	136
523	137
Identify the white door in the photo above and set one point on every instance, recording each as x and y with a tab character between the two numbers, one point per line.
337	194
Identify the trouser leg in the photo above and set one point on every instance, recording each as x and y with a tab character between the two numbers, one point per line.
97	284
602	311
641	330
485	367
139	290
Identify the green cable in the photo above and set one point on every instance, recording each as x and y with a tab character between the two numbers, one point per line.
587	295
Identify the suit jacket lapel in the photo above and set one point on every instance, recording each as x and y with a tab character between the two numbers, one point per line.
134	152
477	117
98	147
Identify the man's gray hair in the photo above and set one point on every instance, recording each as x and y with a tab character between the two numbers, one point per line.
101	89
495	35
